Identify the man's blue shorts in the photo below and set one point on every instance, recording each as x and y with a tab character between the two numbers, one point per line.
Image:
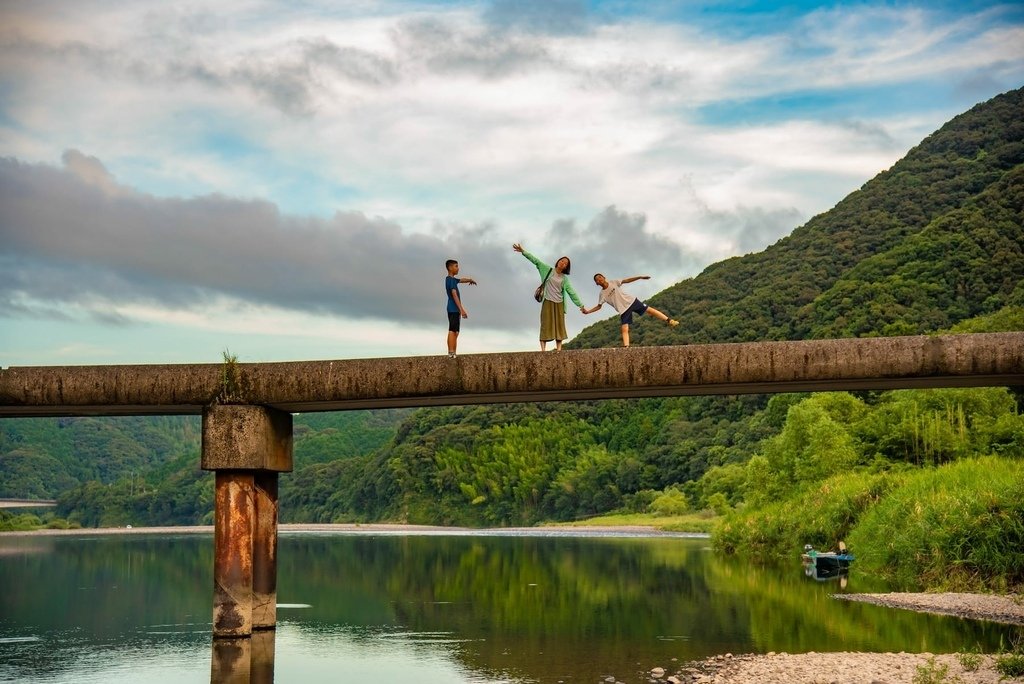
637	307
454	321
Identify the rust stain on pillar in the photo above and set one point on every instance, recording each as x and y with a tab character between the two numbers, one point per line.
234	516
264	552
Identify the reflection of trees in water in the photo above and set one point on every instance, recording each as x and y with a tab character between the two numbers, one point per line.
99	585
116	592
535	605
790	612
529	605
547	585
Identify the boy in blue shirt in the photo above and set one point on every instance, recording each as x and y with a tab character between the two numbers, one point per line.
455	309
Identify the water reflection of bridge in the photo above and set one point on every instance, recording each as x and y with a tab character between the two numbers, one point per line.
247	422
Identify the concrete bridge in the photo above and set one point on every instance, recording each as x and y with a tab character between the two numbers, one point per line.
247	422
27	503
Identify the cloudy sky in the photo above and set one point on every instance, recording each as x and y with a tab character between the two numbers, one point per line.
285	180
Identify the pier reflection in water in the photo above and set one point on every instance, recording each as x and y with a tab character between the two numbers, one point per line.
244	661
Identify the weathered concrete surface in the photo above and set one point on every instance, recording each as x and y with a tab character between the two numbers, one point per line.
754	367
264	551
234	517
247	446
108	390
246	438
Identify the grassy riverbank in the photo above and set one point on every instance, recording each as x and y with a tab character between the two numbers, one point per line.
701	523
698	523
956	527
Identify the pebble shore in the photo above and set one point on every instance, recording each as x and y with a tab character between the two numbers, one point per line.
829	668
862	668
1005	609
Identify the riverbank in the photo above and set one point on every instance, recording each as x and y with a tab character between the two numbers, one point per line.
208	529
1006	609
869	668
838	668
376	528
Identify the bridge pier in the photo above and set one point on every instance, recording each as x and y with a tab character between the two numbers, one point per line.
246	446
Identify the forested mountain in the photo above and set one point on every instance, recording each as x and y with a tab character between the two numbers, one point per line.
145	470
933	240
936	243
43	457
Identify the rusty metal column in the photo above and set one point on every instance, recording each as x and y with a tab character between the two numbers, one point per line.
234	517
264	552
247	446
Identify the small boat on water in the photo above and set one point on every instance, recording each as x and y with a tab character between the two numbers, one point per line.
824	574
826	562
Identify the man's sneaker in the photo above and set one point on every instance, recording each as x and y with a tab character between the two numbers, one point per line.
672	322
451	355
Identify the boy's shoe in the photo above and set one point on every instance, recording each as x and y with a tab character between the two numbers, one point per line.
672	322
451	355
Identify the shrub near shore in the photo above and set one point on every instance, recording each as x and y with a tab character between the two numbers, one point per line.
24	522
957	526
960	526
819	515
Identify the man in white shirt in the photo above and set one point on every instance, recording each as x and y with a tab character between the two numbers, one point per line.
625	303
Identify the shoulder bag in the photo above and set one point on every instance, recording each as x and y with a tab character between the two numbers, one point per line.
538	294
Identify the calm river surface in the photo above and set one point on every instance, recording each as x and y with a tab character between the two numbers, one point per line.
431	608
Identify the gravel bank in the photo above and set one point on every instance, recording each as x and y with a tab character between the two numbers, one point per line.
1006	609
865	668
830	668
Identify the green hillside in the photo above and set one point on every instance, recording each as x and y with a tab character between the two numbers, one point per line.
945	220
145	470
41	458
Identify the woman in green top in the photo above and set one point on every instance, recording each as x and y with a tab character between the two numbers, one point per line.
556	289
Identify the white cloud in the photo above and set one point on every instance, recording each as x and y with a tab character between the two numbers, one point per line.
387	135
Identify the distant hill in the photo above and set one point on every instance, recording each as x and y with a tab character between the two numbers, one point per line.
44	457
932	241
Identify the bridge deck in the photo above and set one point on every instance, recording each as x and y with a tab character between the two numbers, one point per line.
950	360
989	359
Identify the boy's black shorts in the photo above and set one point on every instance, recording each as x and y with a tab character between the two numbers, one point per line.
454	321
637	307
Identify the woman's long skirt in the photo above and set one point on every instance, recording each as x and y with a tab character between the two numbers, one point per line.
552	321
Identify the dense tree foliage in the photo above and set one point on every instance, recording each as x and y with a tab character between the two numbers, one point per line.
145	471
43	457
906	475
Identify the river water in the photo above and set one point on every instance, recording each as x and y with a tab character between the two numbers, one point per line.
431	609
